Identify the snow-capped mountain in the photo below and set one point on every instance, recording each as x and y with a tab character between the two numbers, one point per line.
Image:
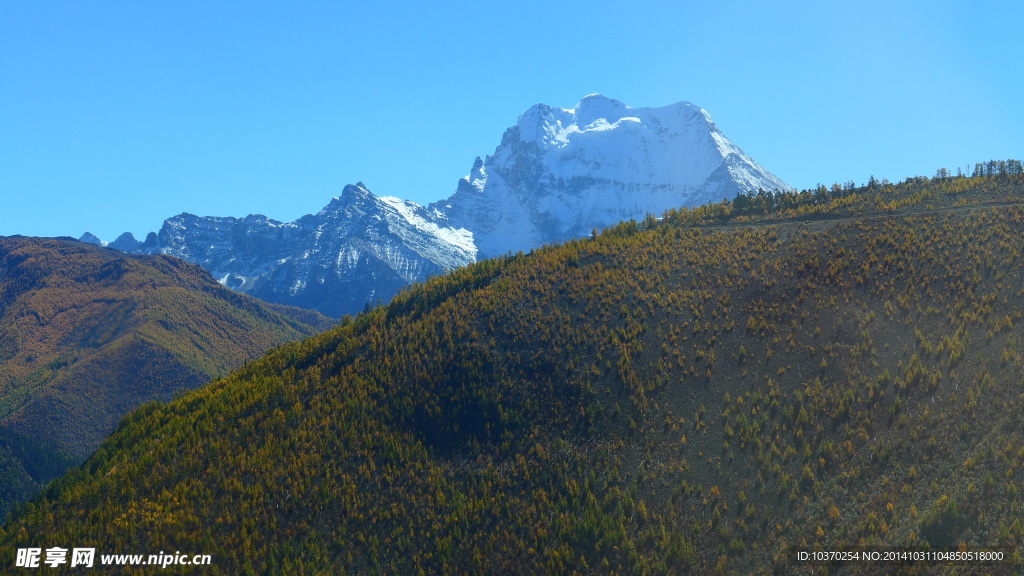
358	249
559	173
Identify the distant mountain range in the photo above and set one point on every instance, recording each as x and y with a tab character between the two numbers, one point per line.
360	248
557	174
88	334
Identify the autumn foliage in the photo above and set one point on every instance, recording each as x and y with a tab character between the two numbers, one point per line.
701	391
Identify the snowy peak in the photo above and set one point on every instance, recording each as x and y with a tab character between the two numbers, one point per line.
553	127
556	127
359	248
560	172
424	231
594	107
352	195
357	192
676	145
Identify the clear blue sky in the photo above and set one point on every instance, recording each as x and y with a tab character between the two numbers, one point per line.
116	115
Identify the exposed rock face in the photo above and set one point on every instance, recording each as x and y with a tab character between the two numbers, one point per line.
358	249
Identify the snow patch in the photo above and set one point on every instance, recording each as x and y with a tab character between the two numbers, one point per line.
460	238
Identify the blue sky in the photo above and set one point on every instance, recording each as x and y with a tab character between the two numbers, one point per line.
116	115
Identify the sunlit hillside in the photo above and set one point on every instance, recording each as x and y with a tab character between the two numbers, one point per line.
702	391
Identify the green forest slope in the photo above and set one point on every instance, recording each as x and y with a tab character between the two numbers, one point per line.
699	392
88	334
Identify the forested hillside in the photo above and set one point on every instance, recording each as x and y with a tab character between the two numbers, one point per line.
88	334
702	391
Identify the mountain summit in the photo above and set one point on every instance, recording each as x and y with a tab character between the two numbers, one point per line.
559	173
357	249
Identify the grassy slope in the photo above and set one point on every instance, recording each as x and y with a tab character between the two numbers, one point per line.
88	334
703	394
